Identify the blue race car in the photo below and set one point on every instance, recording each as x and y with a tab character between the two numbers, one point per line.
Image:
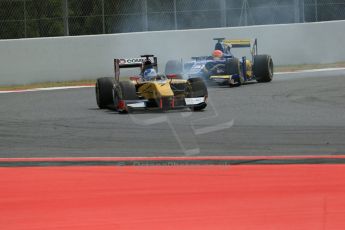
223	67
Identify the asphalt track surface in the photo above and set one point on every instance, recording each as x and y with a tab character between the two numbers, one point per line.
295	114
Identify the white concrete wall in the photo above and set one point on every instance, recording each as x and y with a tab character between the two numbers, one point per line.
88	57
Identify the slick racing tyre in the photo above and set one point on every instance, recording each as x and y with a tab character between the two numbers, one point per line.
173	67
104	92
232	67
196	87
263	68
124	90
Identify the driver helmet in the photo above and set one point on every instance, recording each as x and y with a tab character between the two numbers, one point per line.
147	65
217	54
150	74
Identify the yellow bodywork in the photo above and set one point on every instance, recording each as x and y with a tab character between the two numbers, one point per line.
155	89
239	42
221	77
249	69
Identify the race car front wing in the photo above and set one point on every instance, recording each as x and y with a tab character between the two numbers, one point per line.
162	103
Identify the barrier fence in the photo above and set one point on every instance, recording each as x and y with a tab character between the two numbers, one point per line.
47	18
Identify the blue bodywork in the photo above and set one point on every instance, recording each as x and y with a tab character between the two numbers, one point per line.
198	66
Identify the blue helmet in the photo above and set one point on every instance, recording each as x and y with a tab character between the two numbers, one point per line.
150	74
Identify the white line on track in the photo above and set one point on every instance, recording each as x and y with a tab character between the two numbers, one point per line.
45	89
310	71
89	86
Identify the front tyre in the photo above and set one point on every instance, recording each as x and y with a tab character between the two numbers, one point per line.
232	67
124	90
196	87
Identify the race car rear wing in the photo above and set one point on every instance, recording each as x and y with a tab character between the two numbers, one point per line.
239	43
142	62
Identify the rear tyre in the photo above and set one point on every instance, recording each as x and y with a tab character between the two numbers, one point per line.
104	92
263	68
124	90
173	67
196	87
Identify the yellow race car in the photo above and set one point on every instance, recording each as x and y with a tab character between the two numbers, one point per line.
149	90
